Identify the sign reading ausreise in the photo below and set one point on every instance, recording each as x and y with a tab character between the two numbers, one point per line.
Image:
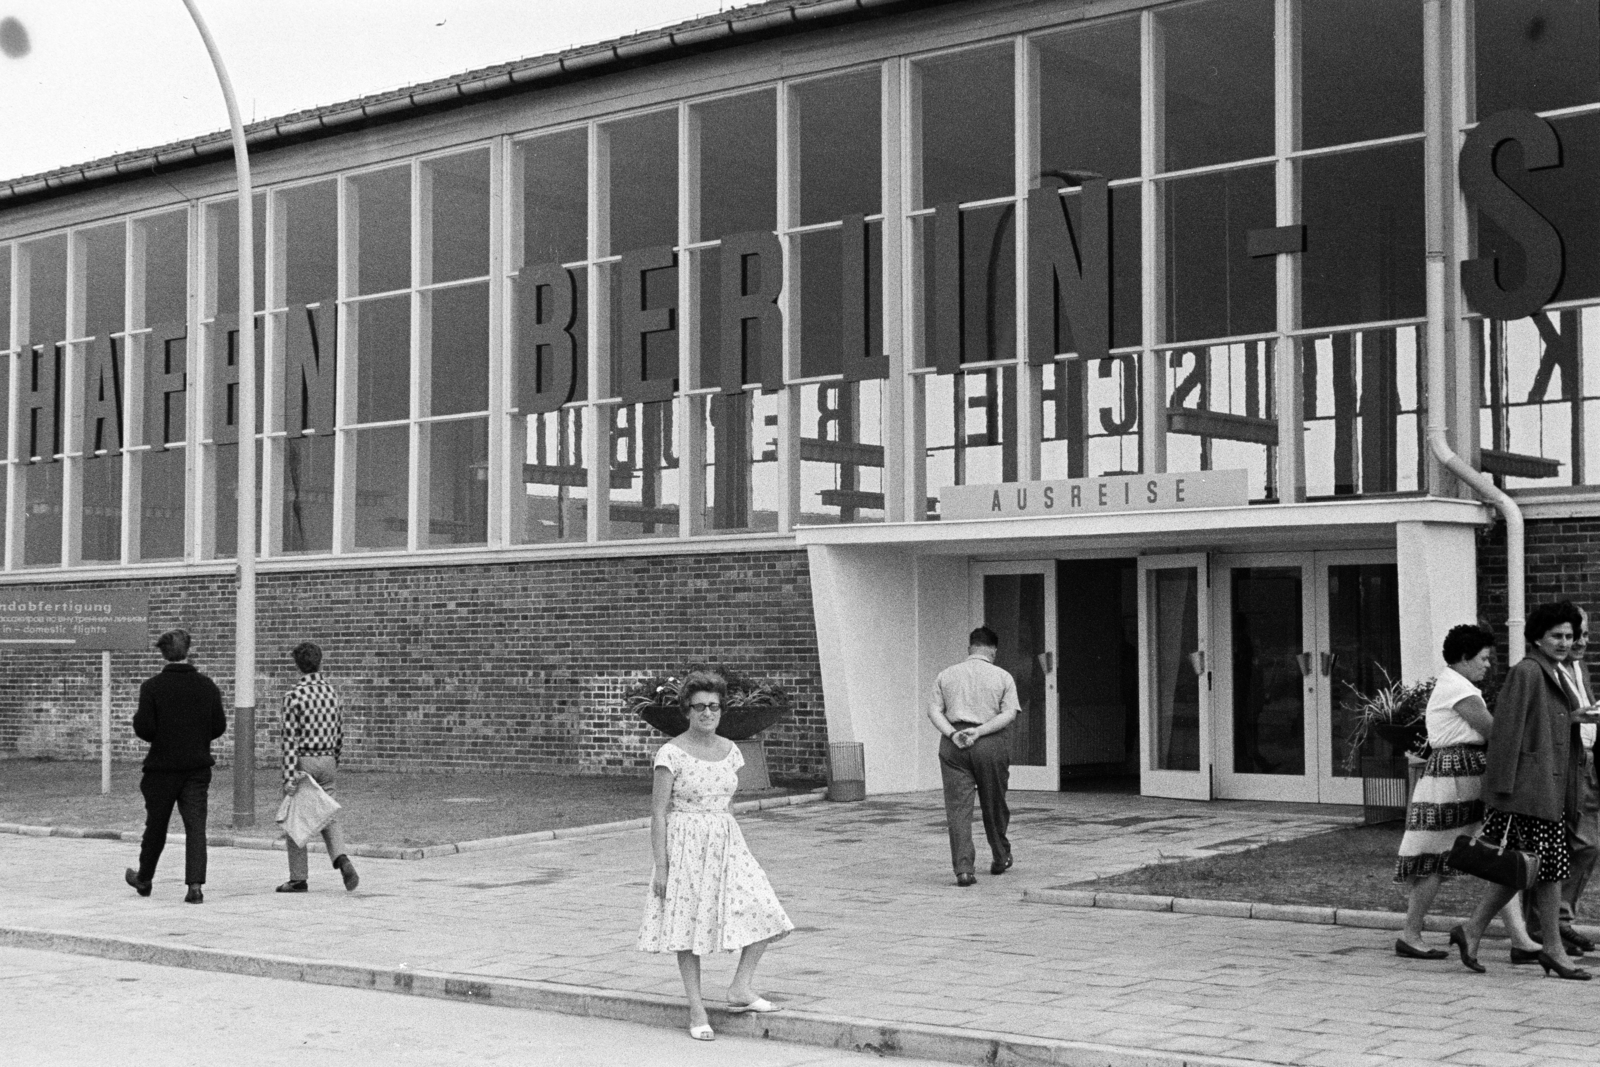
1094	496
84	621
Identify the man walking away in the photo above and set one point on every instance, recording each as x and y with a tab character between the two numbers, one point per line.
180	714
313	738
973	703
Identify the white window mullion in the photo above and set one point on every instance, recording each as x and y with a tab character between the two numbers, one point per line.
789	421
1290	413
135	353
1030	378
907	193
1152	240
15	485
417	487
689	411
597	417
349	348
70	402
504	248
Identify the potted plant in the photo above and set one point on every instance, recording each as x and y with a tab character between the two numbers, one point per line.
751	706
1394	712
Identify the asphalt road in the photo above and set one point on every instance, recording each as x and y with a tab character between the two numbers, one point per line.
63	1010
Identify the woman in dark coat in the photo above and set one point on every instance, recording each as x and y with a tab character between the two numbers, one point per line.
1532	754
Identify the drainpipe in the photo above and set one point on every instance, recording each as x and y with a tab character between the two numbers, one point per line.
1480	483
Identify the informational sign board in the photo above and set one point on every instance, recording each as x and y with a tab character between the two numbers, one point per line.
78	620
1096	496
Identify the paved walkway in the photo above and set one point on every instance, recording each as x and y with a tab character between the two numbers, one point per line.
883	933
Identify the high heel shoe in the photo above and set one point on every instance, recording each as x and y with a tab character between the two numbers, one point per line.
1520	956
1458	938
1576	974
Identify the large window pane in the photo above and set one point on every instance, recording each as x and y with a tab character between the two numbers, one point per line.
840	132
160	471
457	191
1364	253
967	150
1222	411
644	451
1362	411
971	424
458	482
104	305
1214	287
459	348
380	461
381	347
161	504
222	226
39	406
741	462
311	243
1540	382
1089	99
815	271
1361	71
841	453
555	198
1091	418
1537	55
738	165
308	494
1218	94
555	479
983	318
644	181
380	208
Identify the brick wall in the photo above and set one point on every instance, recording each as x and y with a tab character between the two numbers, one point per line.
1563	563
506	666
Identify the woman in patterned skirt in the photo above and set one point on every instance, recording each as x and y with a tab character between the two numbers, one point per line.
1531	763
707	893
1448	799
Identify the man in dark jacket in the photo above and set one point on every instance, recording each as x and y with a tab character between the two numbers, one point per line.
180	714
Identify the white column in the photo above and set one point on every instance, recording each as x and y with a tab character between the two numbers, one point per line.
1438	583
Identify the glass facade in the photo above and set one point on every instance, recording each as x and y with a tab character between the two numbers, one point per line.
1187	237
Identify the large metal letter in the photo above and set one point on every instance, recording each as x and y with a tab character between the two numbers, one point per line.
752	276
546	365
636	321
310	379
102	397
41	400
859	361
1069	274
166	351
1522	222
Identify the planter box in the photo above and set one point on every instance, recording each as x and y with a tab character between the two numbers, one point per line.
753	777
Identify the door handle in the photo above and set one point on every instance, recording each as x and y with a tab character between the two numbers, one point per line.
1047	660
1328	660
1307	663
1197	660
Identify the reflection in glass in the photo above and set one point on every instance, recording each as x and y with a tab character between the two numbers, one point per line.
380	207
1269	709
555	479
738	165
841	452
1013	607
1175	621
1089	99
458	482
1218	94
225	499
308	494
1097	620
644	450
458	199
1091	418
1222	411
41	497
1364	252
104	303
101	536
840	157
162	505
1214	287
815	272
644	182
1540	386
380	459
459	348
985	322
971	428
741	461
1363	417
380	343
1364	638
1537	55
967	151
1361	71
555	197
45	307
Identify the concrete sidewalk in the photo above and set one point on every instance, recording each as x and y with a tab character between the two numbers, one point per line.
883	936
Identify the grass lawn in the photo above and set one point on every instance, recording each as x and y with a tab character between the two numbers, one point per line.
380	807
1348	868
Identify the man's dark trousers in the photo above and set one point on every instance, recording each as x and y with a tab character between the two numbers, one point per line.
982	769
188	790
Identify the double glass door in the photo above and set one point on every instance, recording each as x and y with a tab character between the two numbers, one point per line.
1250	665
1017	601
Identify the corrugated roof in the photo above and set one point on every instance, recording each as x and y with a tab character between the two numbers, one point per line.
705	33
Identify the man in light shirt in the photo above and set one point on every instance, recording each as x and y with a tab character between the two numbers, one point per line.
973	703
1583	838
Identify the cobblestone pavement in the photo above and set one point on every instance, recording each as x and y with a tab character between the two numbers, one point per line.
883	932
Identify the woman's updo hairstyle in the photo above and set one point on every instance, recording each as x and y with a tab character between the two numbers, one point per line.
1466	641
702	682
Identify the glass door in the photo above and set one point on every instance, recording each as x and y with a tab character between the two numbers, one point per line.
1175	750
1358	653
1017	602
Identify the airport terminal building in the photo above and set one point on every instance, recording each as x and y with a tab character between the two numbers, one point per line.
806	336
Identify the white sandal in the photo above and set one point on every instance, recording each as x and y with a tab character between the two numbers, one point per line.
703	1032
759	1006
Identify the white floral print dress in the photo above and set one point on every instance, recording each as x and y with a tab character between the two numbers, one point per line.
718	898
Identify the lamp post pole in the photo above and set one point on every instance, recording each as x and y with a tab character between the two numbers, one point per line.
244	658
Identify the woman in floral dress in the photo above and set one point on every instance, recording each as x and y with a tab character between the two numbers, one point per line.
707	892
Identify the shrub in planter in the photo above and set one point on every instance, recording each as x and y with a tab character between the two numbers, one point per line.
1395	712
749	708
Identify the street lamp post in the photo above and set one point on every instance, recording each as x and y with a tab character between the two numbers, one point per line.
244	659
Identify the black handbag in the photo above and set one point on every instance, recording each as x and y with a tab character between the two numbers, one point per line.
1495	863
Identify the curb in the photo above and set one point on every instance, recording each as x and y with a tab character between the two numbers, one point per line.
397	852
1244	909
951	1044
